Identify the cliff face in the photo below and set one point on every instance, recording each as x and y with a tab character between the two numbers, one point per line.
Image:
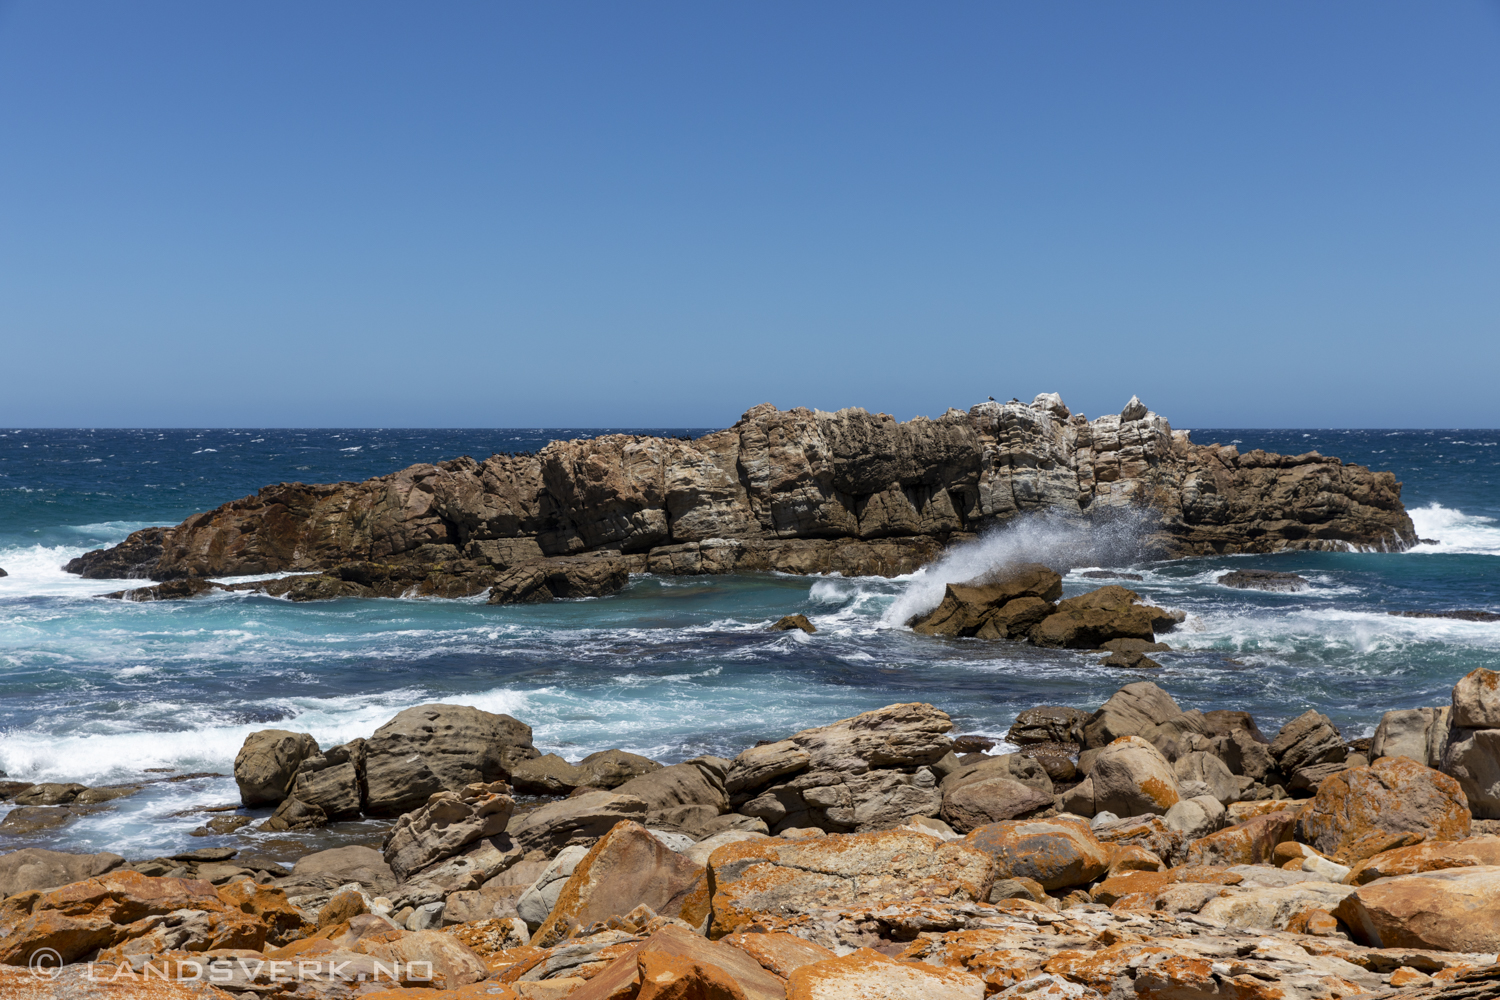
797	491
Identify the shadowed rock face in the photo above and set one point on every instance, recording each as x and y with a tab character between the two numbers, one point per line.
795	491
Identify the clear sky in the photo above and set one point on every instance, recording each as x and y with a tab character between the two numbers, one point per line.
629	214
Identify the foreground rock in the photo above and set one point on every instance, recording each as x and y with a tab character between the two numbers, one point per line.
794	491
1455	910
1360	812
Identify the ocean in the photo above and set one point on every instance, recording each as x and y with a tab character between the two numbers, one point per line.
100	691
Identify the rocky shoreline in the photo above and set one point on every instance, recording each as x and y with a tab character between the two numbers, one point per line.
796	491
1135	850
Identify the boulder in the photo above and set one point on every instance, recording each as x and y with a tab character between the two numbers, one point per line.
629	976
787	623
1132	778
267	763
1252	842
994	789
1418	733
49	793
627	868
1048	724
1308	749
536	901
1130	711
1472	757
1363	811
330	780
967	608
579	819
152	915
686	797
452	963
294	814
548	774
868	973
612	768
1209	770
786	877
1476	700
1057	853
1436	856
35	868
1244	755
1453	910
566	578
1274	907
445	825
1090	620
1263	579
1180	735
1195	817
439	748
340	865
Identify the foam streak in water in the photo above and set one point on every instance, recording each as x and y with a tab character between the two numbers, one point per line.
1059	542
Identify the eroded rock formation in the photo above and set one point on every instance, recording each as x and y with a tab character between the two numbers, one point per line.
795	491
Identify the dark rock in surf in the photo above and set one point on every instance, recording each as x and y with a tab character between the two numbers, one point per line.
1464	615
789	622
1090	620
973	743
1109	574
3	573
1263	579
1005	606
133	559
173	590
1048	724
561	578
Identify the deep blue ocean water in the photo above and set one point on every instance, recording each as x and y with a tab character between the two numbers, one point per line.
99	691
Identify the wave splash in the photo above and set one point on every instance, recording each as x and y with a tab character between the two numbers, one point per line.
1457	533
1062	543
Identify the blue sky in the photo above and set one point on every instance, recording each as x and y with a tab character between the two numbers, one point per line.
484	214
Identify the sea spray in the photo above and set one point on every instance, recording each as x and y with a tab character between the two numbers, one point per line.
1062	543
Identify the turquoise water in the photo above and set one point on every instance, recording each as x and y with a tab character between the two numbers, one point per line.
99	691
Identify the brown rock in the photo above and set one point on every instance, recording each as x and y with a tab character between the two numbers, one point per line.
1132	778
1453	910
439	748
967	608
1133	710
1308	749
612	768
1089	620
1057	853
1436	856
688	797
267	764
1363	811
1048	724
780	954
284	922
1252	842
1476	700
579	819
35	868
620	978
344	906
788	622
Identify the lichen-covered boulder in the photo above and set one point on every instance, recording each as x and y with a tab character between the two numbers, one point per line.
1132	778
1453	910
1363	811
1057	853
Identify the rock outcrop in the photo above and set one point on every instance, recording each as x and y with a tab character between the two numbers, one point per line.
796	491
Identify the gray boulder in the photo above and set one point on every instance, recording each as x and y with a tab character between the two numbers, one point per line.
538	899
446	824
330	780
1131	711
1195	817
1244	755
1418	733
687	797
267	763
35	868
990	791
1132	778
1212	772
1476	700
1472	756
439	748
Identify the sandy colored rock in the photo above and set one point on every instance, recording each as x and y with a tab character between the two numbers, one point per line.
445	825
284	922
342	907
1454	910
688	797
74	983
869	974
1132	710
1090	620
1057	853
579	819
267	763
781	954
1474	852
1418	733
1132	778
780	876
1476	700
454	963
1363	811
1273	907
439	748
35	868
628	867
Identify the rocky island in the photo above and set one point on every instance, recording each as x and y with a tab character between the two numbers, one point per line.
795	491
1138	850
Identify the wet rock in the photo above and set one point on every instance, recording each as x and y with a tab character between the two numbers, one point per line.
1056	853
1363	811
294	814
788	622
1110	574
1090	620
1132	778
446	824
133	559
1263	579
1048	724
172	590
1453	910
49	794
561	578
438	748
628	867
24	821
267	764
984	607
1463	615
35	868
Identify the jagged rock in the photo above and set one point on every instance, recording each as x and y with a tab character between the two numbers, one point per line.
1131	711
267	764
1454	910
1363	811
50	793
791	491
294	814
628	867
579	819
1057	853
984	607
1474	852
536	900
1048	724
448	822
1476	700
1252	842
1244	755
1418	733
1090	620
1132	778
437	748
789	622
172	590
1263	579
1211	771
330	780
1309	749
35	868
676	963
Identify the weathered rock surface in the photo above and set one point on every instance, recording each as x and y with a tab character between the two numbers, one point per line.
1048	724
579	819
1360	812
1418	733
787	623
447	823
1056	853
1132	778
267	764
454	746
1000	788
1134	710
1453	910
1090	620
794	491
869	973
1263	579
1436	856
34	868
1309	749
1006	606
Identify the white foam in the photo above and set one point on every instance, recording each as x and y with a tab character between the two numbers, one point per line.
1456	532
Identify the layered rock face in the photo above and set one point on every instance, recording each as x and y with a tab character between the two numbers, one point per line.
795	491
